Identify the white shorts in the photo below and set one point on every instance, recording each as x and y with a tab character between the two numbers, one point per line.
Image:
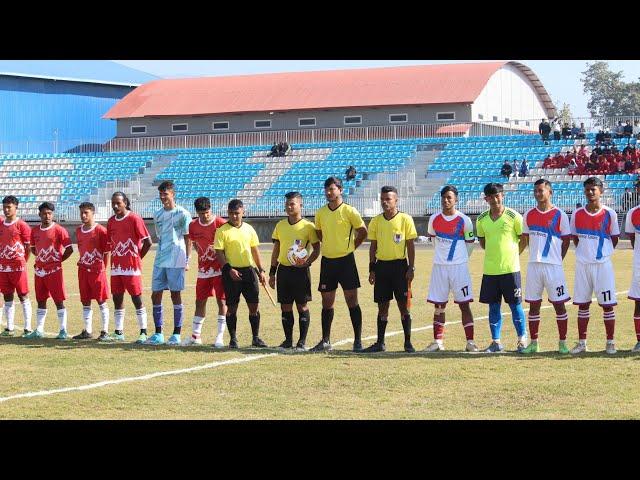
446	278
634	289
547	276
595	278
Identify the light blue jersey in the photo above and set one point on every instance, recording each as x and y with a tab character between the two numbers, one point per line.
171	227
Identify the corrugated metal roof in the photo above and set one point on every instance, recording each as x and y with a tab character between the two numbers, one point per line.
413	85
86	71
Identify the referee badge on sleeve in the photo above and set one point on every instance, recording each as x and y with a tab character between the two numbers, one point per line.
397	237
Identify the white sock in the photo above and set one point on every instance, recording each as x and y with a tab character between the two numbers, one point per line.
197	326
87	315
62	318
582	341
222	325
522	338
141	316
440	341
10	313
1	313
104	315
40	316
27	312
118	318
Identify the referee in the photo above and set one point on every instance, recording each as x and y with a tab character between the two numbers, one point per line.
499	230
236	244
293	280
341	230
391	234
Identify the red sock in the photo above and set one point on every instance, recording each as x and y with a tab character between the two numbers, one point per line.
610	323
636	321
468	330
534	323
562	321
583	321
438	330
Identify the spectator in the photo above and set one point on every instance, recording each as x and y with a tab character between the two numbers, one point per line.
556	128
636	129
566	131
544	129
599	137
627	130
573	166
274	150
582	132
548	162
628	165
575	131
286	149
524	168
619	131
620	165
350	173
515	168
506	169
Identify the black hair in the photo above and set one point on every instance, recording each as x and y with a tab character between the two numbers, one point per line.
594	182
543	181
493	188
46	205
125	199
235	204
87	205
333	181
291	195
10	199
167	185
449	188
388	189
202	204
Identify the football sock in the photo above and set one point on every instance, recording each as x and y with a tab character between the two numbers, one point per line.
104	317
26	310
232	320
562	321
636	322
495	320
87	315
610	323
303	324
222	324
141	316
534	323
9	313
583	322
406	327
382	328
356	321
327	318
254	320
197	326
287	325
62	318
517	315
177	319
41	314
157	318
118	320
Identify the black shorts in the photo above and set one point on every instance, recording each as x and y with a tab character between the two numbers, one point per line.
391	280
293	284
494	287
340	270
249	286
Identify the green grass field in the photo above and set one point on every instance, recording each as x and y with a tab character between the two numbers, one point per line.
52	379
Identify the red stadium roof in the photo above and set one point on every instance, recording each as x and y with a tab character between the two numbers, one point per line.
413	85
448	129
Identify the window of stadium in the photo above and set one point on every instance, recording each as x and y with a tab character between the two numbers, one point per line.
138	129
445	116
262	124
307	122
495	118
480	116
398	118
179	127
527	123
221	125
506	120
517	122
353	120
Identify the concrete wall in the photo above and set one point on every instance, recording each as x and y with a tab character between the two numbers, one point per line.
244	122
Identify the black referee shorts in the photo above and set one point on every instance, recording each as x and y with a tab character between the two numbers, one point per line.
249	286
391	280
342	270
494	287
293	284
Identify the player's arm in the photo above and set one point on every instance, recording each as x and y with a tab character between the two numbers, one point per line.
314	255
481	240
632	237
105	259
319	233
361	234
255	253
411	256
373	248
614	240
187	245
275	253
566	241
522	243
68	251
27	251
146	245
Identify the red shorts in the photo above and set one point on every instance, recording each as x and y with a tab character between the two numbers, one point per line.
51	285
130	283
208	287
14	281
93	286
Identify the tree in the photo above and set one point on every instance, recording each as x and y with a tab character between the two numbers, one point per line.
609	95
565	114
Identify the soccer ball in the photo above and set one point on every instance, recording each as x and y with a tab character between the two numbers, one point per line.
297	255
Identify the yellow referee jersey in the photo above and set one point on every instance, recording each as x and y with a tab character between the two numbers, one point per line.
392	235
236	243
303	232
337	227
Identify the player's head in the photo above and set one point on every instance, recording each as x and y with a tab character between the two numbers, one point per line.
448	198
293	204
87	210
203	209
542	190
493	194
9	206
167	193
389	198
593	189
235	209
333	189
45	212
120	203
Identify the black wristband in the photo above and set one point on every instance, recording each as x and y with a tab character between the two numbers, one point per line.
372	267
226	268
273	269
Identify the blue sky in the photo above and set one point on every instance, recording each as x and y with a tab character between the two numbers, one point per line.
560	77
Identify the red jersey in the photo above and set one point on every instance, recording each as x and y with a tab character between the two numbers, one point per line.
13	238
50	243
202	237
125	236
92	244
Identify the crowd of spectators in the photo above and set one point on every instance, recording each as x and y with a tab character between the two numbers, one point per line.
280	149
515	169
603	160
561	131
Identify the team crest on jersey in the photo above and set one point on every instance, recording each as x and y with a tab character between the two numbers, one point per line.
397	237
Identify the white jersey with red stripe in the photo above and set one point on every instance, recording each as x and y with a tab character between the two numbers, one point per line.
594	231
449	235
632	225
546	231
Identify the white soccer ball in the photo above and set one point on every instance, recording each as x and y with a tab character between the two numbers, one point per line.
297	256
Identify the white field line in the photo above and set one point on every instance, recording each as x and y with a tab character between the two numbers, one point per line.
207	366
